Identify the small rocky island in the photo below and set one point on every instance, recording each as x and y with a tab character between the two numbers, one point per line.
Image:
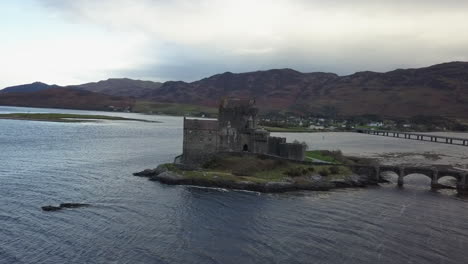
233	152
259	173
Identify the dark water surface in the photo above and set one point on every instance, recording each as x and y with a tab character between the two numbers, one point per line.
133	220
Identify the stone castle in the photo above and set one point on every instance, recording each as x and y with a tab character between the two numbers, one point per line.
235	130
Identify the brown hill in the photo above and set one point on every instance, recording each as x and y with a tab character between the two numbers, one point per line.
120	87
25	88
439	90
66	98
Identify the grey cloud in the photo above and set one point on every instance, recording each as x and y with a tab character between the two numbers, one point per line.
390	34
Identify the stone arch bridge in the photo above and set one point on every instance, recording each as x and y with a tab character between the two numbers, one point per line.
433	173
374	172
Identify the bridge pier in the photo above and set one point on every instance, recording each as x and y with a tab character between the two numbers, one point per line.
434	180
401	175
377	173
462	185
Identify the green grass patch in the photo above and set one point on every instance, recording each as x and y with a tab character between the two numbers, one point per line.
55	117
321	155
288	129
174	109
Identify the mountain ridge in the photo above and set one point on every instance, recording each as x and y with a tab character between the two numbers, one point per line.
438	90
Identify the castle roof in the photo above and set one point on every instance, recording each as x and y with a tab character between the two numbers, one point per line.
199	124
232	102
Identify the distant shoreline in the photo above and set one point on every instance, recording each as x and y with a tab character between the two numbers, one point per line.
66	118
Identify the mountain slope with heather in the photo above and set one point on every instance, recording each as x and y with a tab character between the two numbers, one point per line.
66	98
438	90
121	87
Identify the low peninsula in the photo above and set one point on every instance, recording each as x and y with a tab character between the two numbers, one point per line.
68	118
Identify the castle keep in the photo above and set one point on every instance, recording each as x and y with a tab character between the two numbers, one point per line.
235	131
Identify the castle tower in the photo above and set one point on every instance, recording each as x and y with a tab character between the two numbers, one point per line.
241	113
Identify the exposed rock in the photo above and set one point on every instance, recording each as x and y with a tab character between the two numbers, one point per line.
151	172
314	186
279	186
342	183
51	208
245	185
316	177
73	205
145	173
160	169
168	177
63	205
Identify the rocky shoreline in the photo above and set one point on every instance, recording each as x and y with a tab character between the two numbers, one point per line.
314	183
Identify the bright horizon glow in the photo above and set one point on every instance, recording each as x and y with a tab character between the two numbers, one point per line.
76	41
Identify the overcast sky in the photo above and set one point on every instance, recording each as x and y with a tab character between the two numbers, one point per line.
76	41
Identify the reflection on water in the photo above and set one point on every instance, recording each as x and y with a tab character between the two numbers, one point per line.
133	220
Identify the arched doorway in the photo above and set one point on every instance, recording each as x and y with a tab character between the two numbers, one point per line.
245	148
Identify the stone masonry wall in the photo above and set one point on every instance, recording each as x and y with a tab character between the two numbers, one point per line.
294	151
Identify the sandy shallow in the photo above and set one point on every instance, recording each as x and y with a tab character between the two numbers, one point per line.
387	150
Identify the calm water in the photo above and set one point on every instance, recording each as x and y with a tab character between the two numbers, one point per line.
133	220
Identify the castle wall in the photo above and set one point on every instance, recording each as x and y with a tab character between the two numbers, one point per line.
228	139
261	141
274	145
294	151
200	140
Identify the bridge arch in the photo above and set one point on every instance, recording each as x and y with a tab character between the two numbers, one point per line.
448	173
388	175
417	170
447	181
391	169
434	174
417	179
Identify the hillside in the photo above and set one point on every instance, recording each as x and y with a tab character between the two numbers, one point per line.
66	98
120	87
26	88
439	90
436	90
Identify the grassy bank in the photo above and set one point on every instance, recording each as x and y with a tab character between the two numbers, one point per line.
174	109
71	118
288	129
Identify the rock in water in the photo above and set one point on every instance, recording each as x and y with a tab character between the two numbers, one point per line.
168	177
51	208
145	173
73	205
63	205
151	172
